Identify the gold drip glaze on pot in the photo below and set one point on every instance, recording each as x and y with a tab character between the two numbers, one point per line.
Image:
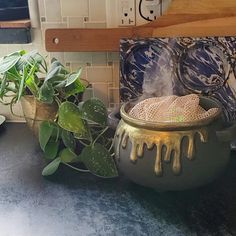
171	140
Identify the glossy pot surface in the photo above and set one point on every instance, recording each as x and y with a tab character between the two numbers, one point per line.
173	156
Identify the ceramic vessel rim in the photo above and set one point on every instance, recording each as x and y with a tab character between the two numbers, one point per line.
169	125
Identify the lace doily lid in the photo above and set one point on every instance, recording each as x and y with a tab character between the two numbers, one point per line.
171	109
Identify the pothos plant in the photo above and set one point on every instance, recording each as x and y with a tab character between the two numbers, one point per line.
79	136
79	132
26	73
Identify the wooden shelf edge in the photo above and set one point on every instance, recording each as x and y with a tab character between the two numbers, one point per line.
16	24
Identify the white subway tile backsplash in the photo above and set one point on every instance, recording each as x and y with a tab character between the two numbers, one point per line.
3	50
78	57
15	47
99	58
53	10
100	90
34	13
41	6
36	36
74	8
95	24
75	22
99	74
97	10
113	56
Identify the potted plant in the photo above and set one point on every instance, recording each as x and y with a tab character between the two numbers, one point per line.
21	79
71	132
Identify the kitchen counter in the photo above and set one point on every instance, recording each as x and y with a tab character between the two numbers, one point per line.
72	204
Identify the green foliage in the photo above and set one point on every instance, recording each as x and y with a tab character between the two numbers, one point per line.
45	132
70	118
20	71
94	110
75	127
51	149
99	161
9	61
52	167
68	156
68	139
78	124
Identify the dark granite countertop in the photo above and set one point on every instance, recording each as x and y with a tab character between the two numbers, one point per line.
72	204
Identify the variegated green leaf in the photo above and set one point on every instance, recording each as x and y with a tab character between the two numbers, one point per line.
70	119
94	110
99	161
52	167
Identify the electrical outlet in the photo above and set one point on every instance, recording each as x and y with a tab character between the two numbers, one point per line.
149	10
126	12
153	9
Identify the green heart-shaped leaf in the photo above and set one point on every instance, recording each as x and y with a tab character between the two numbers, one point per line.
32	86
9	61
56	134
57	70
52	167
70	119
94	110
74	88
68	156
52	73
46	93
68	139
51	150
73	77
45	132
30	58
99	161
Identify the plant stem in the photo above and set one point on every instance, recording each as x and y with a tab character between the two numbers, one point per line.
57	100
83	143
75	168
95	140
86	171
112	144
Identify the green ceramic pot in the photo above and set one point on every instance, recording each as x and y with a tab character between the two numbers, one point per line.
173	156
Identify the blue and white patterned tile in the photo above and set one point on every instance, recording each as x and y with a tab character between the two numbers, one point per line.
165	66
